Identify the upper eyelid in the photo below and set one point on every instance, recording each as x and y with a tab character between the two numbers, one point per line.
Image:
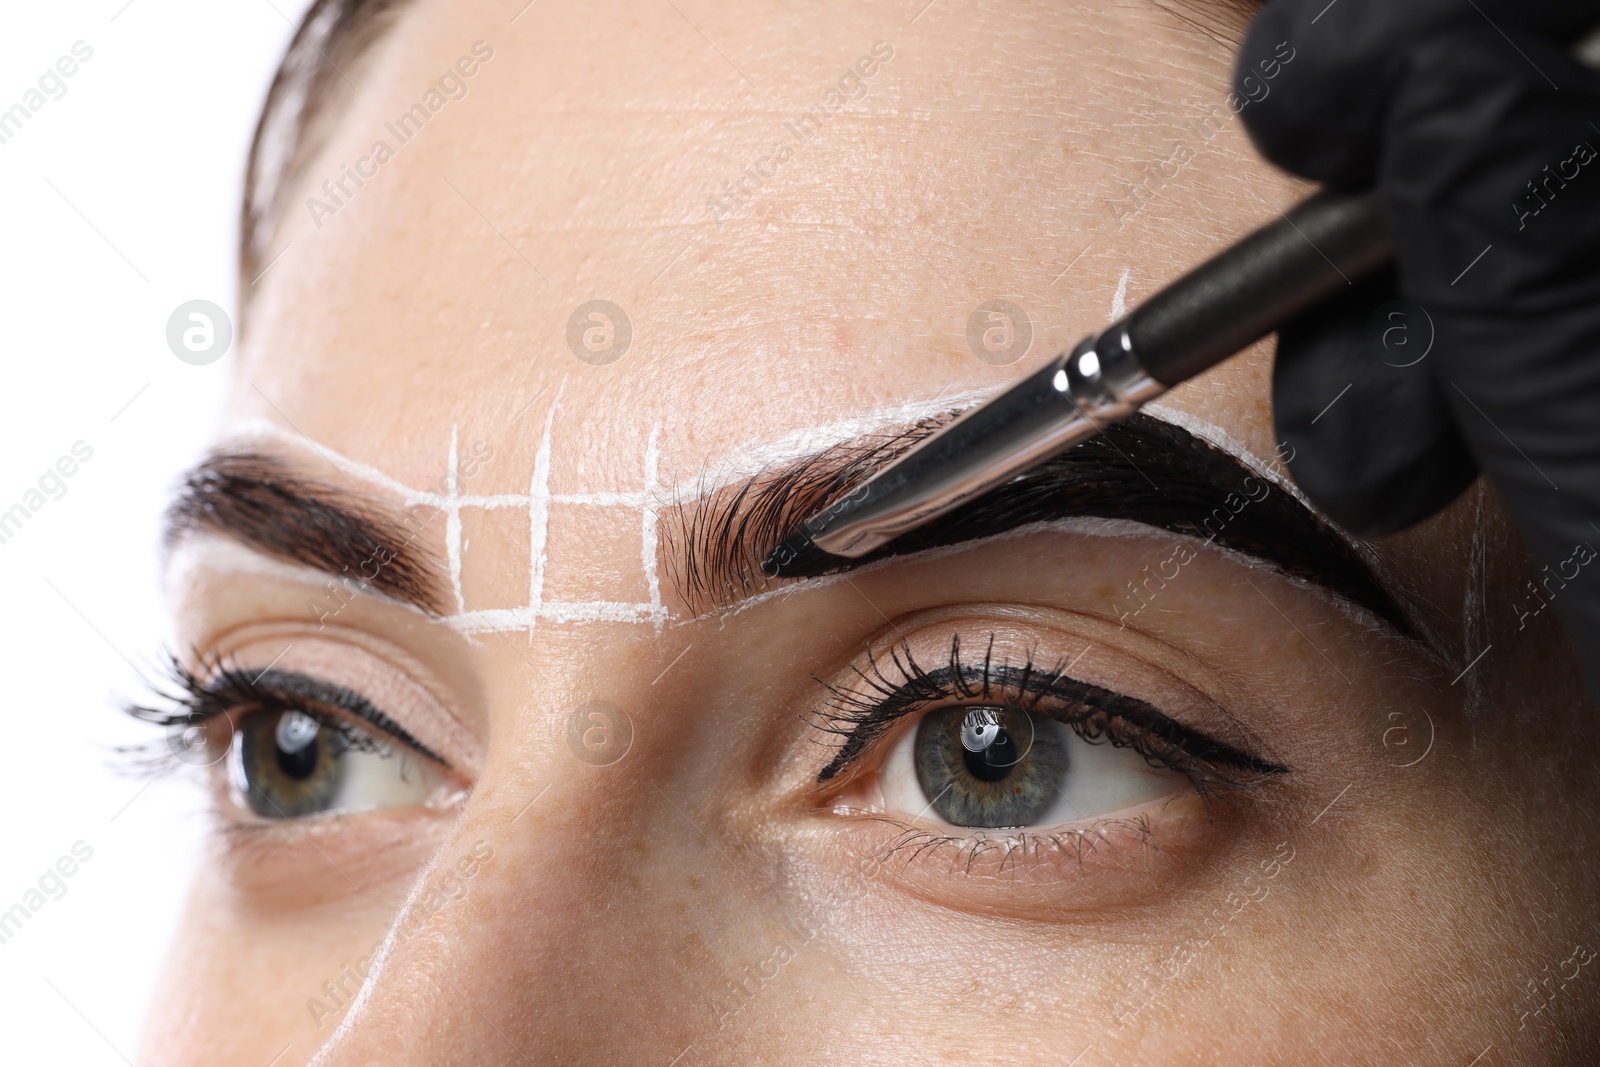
276	683
1038	684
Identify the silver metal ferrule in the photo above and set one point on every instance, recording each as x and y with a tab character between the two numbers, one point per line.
1069	400
1104	378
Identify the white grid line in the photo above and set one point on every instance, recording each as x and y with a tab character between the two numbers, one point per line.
538	501
452	522
539	517
512	620
604	500
488	503
647	533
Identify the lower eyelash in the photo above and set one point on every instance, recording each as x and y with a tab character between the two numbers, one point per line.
244	838
1098	715
1011	849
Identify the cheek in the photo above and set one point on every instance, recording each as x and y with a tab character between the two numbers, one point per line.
286	904
195	1016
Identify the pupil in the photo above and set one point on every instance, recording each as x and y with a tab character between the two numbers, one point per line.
296	738
995	760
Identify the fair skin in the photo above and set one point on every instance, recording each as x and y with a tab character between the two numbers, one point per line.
1370	903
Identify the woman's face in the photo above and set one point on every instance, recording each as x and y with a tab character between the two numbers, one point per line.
566	785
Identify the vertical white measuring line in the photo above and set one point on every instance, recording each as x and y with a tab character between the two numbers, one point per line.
452	520
652	457
539	518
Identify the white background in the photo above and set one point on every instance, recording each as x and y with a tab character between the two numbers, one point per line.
120	203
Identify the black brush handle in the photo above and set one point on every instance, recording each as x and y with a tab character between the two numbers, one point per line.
1235	299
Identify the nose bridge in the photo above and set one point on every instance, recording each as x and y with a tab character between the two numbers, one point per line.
571	888
405	1012
544	937
593	902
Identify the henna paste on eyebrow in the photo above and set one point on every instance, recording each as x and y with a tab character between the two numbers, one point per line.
1144	470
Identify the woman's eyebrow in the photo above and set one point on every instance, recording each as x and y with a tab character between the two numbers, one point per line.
1144	470
263	502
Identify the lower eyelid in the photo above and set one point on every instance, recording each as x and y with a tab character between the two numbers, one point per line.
293	864
1104	865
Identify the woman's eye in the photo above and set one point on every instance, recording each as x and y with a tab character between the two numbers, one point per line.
287	763
993	767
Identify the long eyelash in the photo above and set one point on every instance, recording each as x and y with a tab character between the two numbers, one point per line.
178	699
896	685
186	697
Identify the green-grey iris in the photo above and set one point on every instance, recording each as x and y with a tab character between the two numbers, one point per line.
291	763
990	766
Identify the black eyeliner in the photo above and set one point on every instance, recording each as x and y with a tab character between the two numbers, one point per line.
863	718
346	700
224	688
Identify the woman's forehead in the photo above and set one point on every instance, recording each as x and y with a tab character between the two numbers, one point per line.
617	50
720	233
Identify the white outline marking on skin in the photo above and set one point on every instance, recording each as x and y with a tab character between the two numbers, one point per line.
647	532
538	501
601	500
452	521
539	518
731	469
755	459
1217	437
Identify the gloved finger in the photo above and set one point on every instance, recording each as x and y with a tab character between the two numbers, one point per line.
1313	78
1526	394
1491	175
1366	431
1311	81
1491	178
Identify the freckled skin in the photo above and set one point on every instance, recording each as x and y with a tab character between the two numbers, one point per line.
657	906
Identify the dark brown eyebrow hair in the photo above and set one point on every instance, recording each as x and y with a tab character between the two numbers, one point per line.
1144	470
268	505
1224	21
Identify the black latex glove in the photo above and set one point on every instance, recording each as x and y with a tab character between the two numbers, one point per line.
1481	132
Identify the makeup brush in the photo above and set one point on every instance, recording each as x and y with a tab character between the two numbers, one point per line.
1222	306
